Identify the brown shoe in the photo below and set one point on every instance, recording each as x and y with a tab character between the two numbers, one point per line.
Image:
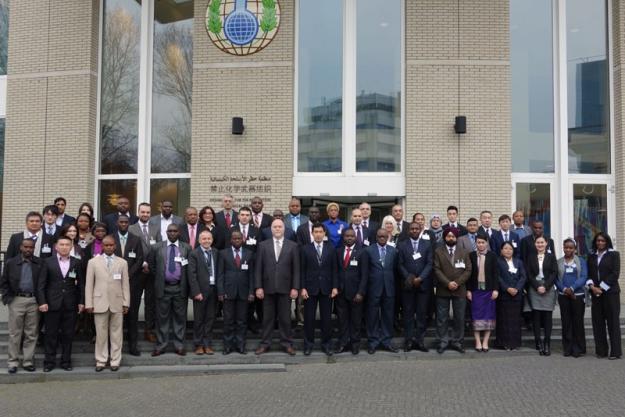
199	350
181	352
261	350
290	350
209	350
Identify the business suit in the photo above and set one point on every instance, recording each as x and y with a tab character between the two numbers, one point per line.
528	247
62	294
304	234
218	232
23	310
508	325
294	222
352	280
236	284
522	231
107	291
43	244
264	220
134	256
448	268
484	231
318	278
220	219
367	236
185	236
110	220
171	297
67	219
373	227
203	271
415	263
542	304
277	278
380	294
155	221
498	238
251	238
403	233
606	308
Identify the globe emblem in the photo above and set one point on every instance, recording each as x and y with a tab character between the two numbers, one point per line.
241	27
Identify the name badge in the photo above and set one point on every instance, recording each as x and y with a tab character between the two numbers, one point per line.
250	241
425	236
184	262
46	249
77	256
391	244
82	244
132	255
416	256
245	267
366	242
514	244
72	274
340	231
325	238
152	242
353	262
569	270
512	270
548	250
117	276
460	265
177	259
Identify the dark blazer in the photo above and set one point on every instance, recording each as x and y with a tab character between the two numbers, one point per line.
445	271
410	268
608	271
157	261
550	271
318	277
219	235
508	279
16	240
67	219
353	278
134	247
236	283
288	234
265	221
304	236
110	220
497	240
373	227
528	248
252	232
11	274
463	230
220	218
58	291
281	276
381	278
367	234
491	272
482	230
198	272
184	233
404	231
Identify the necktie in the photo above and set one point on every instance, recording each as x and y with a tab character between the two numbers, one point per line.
237	258
347	256
451	252
365	223
382	255
122	243
109	263
256	221
358	234
146	236
50	230
244	232
505	237
399	227
415	246
34	237
473	244
171	262
278	248
228	219
207	257
319	254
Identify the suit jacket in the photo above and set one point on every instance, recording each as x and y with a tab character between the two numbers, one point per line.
319	277
155	221
482	230
281	276
497	240
373	227
220	218
110	220
409	267
404	231
528	249
265	220
103	292
158	262
11	274
133	253
199	274
303	219
464	243
381	278
184	234
288	234
16	240
153	233
368	235
353	278
236	283
463	230
550	271
67	219
219	235
253	236
446	270
304	236
491	272
58	291
508	279
608	270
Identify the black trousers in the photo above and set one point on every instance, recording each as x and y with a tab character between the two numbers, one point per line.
415	305
573	334
606	309
235	323
132	318
325	313
255	307
204	313
276	306
543	319
63	321
350	320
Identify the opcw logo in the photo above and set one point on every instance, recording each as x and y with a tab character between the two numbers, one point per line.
242	27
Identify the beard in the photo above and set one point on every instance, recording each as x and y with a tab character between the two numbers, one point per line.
450	244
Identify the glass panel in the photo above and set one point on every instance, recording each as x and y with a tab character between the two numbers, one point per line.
4	35
534	199
172	88
320	86
1	167
588	87
111	190
378	83
178	191
120	87
590	213
531	66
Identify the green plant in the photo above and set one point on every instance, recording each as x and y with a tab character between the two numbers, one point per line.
214	18
269	21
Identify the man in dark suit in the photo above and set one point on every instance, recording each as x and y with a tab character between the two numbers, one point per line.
251	233
288	232
169	262
277	281
294	219
528	248
415	267
319	286
452	218
167	217
304	231
61	295
486	223
227	217
190	230
235	288
260	219
364	236
62	219
373	226
505	234
203	270
123	206
426	234
130	248
43	241
381	260
397	211
18	287
352	276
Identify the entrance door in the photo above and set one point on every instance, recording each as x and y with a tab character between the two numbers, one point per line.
380	206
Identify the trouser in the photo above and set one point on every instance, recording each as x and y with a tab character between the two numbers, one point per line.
542	319
63	321
149	302
235	323
573	333
204	318
299	310
442	319
415	305
606	309
108	328
325	313
23	330
350	320
172	315
380	320
132	318
255	307
276	305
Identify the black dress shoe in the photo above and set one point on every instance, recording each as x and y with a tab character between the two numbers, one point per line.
441	349
408	346
242	350
341	349
227	351
547	350
48	368
29	368
457	347
370	350
613	358
421	347
355	350
156	352
12	370
391	348
114	368
67	368
327	351
99	368
134	352
307	351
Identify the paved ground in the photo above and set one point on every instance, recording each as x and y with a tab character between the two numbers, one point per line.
488	385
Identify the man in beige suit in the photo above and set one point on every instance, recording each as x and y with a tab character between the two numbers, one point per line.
107	295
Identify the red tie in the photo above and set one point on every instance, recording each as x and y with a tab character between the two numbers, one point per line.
228	220
347	256
237	259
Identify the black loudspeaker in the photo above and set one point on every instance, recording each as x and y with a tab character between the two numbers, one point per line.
461	124
237	126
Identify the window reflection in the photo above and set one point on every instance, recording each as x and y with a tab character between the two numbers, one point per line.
120	87
111	190
178	191
535	201
4	35
590	213
1	166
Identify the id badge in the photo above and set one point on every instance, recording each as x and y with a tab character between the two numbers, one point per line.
184	262
425	236
117	276
132	255
325	238
250	242
177	259
46	249
416	256
152	242
512	270
77	256
366	242
460	265
353	262
514	244
569	270
72	274
548	250
245	267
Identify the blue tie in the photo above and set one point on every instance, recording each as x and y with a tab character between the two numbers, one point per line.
171	263
382	254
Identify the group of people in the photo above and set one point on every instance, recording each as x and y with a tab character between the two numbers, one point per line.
253	267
